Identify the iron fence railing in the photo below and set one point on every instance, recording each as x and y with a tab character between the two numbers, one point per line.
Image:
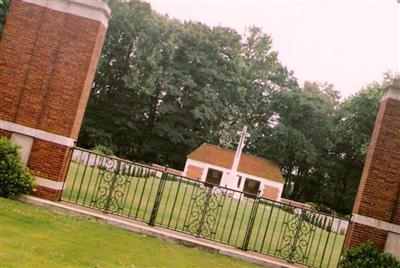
212	212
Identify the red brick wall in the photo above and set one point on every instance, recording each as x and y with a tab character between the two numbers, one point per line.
50	194
47	64
358	234
379	191
380	182
396	215
16	51
88	82
49	160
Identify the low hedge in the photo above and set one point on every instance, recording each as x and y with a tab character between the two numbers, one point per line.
15	179
367	256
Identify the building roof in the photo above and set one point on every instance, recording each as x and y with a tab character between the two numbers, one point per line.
248	164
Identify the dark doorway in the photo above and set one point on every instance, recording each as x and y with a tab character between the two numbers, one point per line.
251	187
239	181
213	176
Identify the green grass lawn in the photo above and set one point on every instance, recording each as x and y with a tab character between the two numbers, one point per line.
229	220
36	237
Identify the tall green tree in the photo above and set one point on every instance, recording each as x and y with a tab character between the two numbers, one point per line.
260	75
167	86
354	123
299	137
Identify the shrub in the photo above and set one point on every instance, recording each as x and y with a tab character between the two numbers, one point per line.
367	256
14	177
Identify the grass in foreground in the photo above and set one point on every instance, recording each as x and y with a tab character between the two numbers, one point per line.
36	237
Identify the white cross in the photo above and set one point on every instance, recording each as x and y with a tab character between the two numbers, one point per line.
243	136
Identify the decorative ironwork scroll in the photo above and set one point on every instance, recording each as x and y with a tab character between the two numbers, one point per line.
206	203
296	236
110	190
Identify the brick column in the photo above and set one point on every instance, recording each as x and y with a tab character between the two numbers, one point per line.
376	212
49	52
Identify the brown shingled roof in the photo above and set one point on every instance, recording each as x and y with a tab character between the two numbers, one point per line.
248	164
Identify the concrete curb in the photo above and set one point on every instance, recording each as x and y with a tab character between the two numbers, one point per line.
159	232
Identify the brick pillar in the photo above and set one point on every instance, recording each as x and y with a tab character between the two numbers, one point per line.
49	52
376	212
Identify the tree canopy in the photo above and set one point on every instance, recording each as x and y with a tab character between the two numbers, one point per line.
164	87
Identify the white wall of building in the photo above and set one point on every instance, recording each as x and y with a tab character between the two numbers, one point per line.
229	182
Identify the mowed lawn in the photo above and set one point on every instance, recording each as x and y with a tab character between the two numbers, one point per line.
36	237
229	221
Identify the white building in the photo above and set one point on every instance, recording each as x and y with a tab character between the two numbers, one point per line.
253	175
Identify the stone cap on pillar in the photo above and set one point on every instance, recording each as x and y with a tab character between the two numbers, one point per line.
92	9
392	91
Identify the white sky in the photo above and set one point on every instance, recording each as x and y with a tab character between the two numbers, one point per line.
347	43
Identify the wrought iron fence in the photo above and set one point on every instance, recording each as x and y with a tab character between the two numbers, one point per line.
240	219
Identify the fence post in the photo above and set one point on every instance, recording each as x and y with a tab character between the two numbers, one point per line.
250	224
72	150
157	201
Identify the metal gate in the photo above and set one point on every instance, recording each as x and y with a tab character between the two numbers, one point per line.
205	206
297	233
212	212
111	188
